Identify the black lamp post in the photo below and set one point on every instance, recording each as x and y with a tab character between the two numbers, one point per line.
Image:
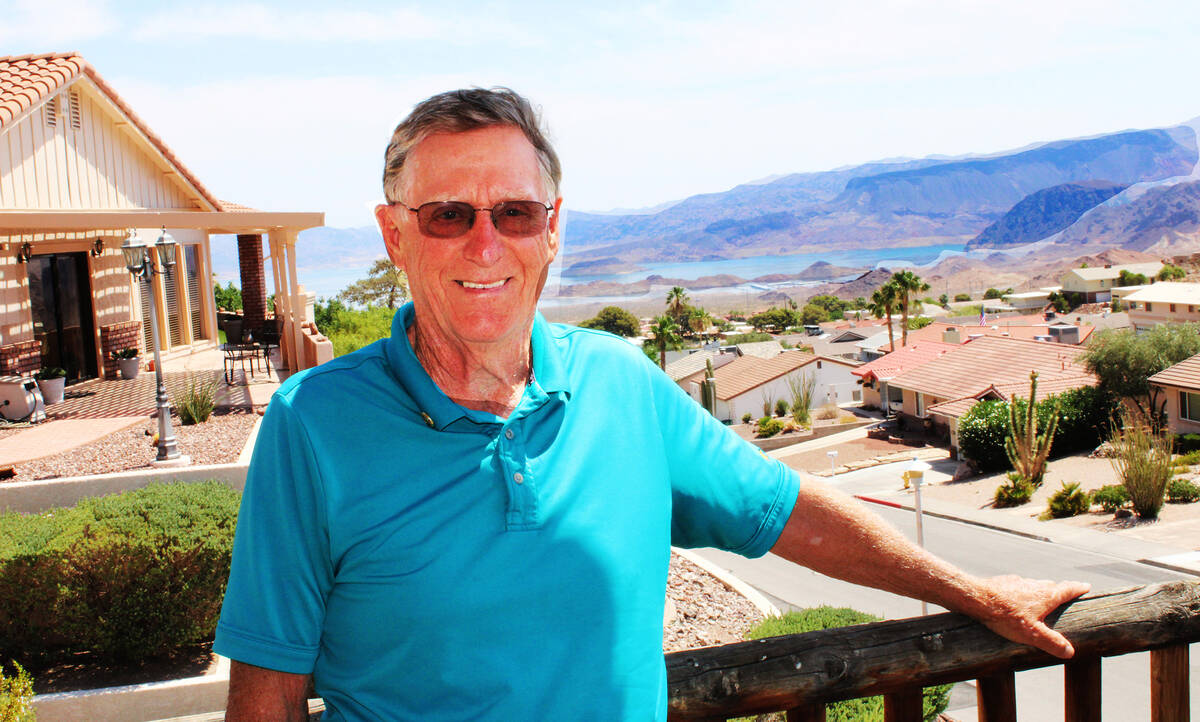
142	266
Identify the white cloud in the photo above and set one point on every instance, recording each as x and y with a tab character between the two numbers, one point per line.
53	26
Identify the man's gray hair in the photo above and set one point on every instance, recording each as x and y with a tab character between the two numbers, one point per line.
458	111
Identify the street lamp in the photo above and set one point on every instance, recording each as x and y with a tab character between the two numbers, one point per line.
143	267
832	462
916	474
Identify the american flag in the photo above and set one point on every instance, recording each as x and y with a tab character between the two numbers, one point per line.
982	317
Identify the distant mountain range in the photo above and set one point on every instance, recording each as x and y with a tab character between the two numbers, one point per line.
1044	213
904	203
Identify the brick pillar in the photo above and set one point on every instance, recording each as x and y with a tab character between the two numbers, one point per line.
254	287
22	358
115	337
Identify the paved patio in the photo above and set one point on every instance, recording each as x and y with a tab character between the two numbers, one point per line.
94	409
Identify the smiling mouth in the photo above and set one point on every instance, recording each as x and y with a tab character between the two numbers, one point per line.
494	284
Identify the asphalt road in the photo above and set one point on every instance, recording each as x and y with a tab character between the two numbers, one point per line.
1126	679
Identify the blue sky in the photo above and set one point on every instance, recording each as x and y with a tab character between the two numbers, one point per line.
288	106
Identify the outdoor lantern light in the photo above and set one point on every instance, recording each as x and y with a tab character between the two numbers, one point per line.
143	267
98	247
135	253
25	252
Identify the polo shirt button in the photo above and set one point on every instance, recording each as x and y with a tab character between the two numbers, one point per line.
518	477
508	434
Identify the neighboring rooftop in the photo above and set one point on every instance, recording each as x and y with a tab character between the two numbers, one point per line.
1185	374
761	349
1168	292
692	363
903	359
749	372
1095	273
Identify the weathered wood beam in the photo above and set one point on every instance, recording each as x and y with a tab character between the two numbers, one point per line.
807	713
1169	684
783	673
903	706
1081	689
997	697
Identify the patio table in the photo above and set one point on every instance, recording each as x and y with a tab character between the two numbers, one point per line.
240	354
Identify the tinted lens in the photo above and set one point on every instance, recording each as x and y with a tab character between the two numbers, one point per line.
519	218
448	219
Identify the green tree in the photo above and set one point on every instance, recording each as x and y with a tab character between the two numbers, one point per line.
883	300
776	319
813	314
907	284
833	306
1124	361
1171	273
664	334
944	300
614	319
228	297
385	285
1125	278
677	303
992	294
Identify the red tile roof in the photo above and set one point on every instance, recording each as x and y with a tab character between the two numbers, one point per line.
1184	375
1046	387
903	359
992	360
748	372
29	80
1014	327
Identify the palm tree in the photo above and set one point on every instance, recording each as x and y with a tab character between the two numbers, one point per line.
882	302
677	301
666	334
907	284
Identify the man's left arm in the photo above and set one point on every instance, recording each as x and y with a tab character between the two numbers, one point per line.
835	535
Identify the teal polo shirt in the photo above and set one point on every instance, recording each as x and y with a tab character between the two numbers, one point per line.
425	561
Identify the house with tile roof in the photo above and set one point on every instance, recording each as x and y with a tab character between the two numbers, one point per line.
942	390
1163	302
875	376
1096	283
745	384
697	361
1179	389
80	172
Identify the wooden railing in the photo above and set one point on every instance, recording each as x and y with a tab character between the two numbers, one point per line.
800	673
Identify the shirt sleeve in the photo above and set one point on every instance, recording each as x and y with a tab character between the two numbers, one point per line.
726	492
274	605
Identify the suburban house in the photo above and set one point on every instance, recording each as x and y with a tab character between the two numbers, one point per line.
1163	302
745	384
698	361
1096	284
1033	328
875	375
1030	300
1180	389
80	172
942	390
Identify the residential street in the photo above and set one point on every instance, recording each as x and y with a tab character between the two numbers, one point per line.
981	551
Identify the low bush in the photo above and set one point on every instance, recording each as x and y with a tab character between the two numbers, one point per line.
960	297
1191	458
1182	491
869	709
1070	500
16	696
197	403
1142	459
1187	443
781	407
826	412
126	577
1014	492
768	427
747	417
1111	497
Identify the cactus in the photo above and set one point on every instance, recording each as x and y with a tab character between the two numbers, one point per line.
1027	450
708	389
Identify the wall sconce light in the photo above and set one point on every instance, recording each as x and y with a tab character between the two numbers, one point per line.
98	247
25	252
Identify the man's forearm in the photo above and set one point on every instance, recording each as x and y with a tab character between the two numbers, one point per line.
256	693
833	534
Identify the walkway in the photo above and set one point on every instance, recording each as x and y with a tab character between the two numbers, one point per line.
94	409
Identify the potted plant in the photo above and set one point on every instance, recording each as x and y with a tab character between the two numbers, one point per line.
51	381
127	362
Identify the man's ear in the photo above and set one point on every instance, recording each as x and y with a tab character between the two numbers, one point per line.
556	227
391	234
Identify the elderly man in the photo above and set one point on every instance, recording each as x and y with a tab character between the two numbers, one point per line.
472	519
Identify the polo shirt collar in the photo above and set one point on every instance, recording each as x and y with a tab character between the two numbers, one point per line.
548	370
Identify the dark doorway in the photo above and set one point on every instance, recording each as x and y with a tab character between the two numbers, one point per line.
61	298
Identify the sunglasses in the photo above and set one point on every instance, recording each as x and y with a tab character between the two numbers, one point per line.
451	219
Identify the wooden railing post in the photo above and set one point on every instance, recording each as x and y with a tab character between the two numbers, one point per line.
1169	684
997	696
1081	689
903	706
807	713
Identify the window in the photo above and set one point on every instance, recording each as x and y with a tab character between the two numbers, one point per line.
1149	306
1189	406
1172	308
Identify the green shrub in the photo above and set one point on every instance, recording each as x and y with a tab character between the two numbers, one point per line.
16	696
781	407
960	297
768	427
869	709
1191	458
350	329
1182	491
1014	492
1187	443
126	577
1142	459
197	403
1070	500
1111	497
747	417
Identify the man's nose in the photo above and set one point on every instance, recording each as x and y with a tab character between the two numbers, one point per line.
484	244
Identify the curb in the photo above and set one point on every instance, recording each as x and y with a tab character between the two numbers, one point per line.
140	702
951	517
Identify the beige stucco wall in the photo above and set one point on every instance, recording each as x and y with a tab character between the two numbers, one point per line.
1159	313
1175	424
